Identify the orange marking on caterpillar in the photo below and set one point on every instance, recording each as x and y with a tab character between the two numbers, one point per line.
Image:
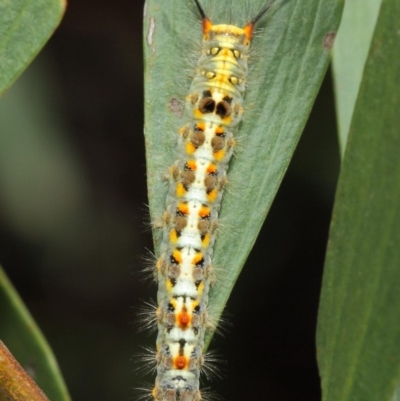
201	126
211	168
212	195
204	211
183	208
207	26
219	154
219	130
227	120
177	256
197	114
169	285
200	288
222	80
180	362
190	148
192	165
183	319
197	258
206	241
173	236
248	31
180	190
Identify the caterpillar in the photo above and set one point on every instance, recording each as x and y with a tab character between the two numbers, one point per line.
197	180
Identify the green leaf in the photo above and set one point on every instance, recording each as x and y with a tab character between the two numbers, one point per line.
23	338
349	56
25	26
290	57
359	327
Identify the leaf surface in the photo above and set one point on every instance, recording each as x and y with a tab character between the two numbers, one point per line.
23	338
359	327
25	26
289	59
349	55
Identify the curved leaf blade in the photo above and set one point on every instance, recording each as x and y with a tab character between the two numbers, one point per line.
286	71
349	56
25	26
359	329
21	335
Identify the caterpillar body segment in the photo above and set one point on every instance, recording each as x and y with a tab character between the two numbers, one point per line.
197	180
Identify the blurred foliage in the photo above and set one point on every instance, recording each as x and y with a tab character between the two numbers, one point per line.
25	26
24	29
359	329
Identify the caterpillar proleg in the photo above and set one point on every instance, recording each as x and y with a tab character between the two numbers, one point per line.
214	106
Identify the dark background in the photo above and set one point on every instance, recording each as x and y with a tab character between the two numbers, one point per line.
74	231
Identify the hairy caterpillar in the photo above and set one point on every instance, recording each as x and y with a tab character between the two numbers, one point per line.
197	180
